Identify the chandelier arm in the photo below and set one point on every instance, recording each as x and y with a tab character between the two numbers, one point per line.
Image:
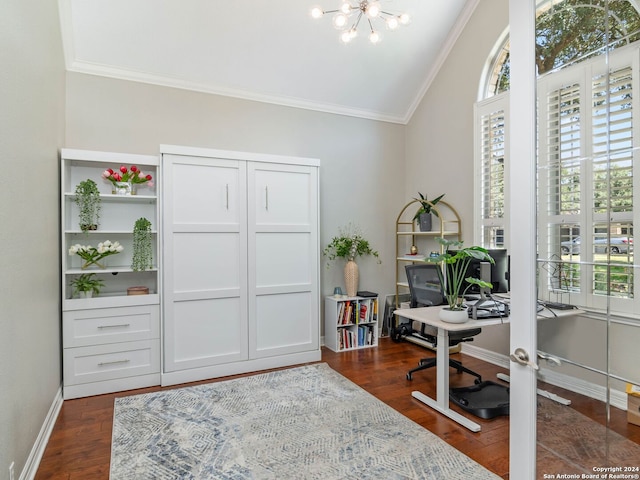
357	22
370	25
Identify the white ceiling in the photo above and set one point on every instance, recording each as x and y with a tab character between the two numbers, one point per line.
270	51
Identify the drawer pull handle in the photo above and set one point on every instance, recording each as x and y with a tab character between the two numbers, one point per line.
115	326
102	364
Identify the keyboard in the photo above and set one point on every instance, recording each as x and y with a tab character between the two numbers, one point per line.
558	306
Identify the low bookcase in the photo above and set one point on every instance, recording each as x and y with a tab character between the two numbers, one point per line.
350	323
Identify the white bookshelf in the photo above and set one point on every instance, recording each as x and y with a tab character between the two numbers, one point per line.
350	323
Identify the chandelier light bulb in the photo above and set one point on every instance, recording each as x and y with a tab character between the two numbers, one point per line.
345	8
317	12
340	20
392	23
346	37
374	37
373	10
404	19
353	33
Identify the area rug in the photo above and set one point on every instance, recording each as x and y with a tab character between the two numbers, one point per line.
570	442
301	423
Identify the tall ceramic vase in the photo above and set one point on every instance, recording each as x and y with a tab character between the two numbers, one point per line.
351	278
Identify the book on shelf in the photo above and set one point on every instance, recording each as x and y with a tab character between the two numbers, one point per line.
363	313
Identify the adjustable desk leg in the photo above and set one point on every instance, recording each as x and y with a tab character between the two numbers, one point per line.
441	404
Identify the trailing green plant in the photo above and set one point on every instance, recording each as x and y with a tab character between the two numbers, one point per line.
426	206
86	283
142	246
89	205
348	244
455	268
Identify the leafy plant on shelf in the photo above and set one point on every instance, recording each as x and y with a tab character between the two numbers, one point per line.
86	283
426	206
348	245
92	255
142	251
456	265
89	204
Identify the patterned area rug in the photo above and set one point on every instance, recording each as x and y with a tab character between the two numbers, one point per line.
302	423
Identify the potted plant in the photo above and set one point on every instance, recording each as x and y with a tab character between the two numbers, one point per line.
85	285
89	205
423	215
455	263
142	252
125	181
348	245
92	255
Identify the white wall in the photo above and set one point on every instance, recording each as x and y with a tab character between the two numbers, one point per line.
361	173
439	152
31	132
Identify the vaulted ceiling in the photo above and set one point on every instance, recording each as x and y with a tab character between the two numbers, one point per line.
270	51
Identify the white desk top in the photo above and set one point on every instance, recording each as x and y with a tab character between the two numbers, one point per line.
429	315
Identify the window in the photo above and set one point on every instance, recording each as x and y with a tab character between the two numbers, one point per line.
586	147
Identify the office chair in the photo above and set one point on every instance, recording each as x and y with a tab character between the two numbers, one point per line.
426	290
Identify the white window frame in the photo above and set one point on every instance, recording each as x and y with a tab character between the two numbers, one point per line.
583	73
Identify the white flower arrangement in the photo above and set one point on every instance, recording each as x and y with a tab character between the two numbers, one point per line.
92	255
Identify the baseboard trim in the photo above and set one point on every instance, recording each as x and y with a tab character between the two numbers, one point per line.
33	460
618	398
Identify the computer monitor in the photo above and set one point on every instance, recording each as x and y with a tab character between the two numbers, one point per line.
499	276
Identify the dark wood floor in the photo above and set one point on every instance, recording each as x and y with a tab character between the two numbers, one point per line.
80	444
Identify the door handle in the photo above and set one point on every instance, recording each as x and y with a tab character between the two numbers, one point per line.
549	358
521	357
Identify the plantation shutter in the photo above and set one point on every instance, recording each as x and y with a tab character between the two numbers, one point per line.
491	144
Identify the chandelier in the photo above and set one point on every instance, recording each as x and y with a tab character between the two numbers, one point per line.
348	17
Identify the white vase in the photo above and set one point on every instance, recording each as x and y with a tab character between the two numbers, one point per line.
87	294
351	278
453	316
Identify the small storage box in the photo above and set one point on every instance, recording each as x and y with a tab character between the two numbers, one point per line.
633	404
138	291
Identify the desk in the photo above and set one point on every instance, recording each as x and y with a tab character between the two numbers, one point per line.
429	316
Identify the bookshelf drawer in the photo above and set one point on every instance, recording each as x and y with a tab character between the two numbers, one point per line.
110	325
107	362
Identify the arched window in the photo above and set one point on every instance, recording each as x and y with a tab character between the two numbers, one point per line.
588	149
569	31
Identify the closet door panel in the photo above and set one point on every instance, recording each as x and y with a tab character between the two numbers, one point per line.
282	323
206	194
283	259
205	287
282	196
203	334
206	261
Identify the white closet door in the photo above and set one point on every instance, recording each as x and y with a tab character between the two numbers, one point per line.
283	259
205	252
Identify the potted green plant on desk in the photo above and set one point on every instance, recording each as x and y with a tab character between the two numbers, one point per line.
455	262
